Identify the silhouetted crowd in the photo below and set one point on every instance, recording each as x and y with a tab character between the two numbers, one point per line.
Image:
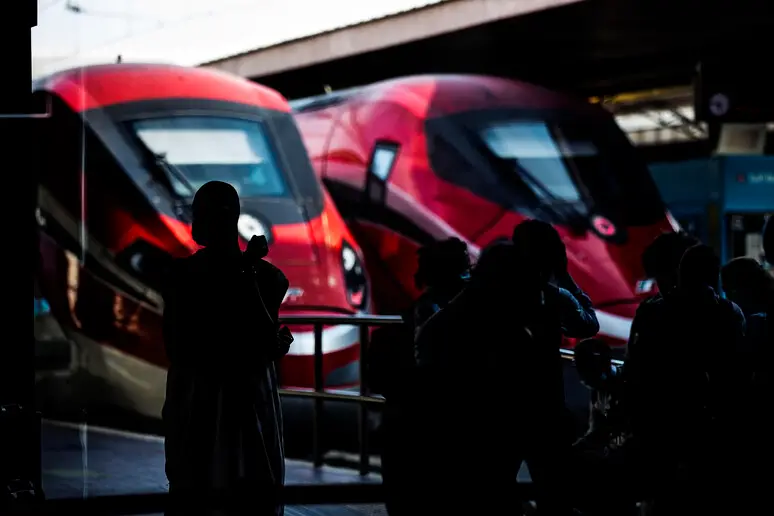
474	385
474	380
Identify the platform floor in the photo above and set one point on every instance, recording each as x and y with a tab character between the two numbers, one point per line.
80	461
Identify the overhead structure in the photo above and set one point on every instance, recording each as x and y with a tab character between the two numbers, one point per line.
667	116
410	26
590	47
655	117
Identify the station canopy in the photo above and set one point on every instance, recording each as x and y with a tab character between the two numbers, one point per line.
586	47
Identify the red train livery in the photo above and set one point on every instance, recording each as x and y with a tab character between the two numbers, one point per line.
420	158
126	148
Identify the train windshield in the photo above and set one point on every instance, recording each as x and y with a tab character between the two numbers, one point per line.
207	148
559	167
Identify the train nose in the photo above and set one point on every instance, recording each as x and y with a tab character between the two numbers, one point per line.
341	352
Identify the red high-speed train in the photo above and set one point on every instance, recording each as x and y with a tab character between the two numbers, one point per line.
420	158
127	146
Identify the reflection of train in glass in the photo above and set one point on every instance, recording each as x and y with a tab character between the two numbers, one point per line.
420	158
114	207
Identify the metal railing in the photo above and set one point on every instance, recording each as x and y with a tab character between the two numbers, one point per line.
319	394
364	493
569	354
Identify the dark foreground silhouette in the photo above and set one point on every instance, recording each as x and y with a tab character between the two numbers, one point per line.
474	383
222	416
474	386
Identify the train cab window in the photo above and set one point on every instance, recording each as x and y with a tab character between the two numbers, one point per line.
541	160
207	148
563	165
456	158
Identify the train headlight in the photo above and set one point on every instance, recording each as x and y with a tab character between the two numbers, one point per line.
249	226
355	281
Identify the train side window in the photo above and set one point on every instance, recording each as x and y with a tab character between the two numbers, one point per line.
383	159
380	167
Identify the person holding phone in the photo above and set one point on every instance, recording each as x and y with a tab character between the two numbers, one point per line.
564	311
222	417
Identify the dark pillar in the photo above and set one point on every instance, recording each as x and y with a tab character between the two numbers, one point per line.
19	424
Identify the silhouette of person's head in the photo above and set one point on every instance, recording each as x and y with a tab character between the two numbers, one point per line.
699	268
495	267
501	274
442	264
768	240
661	259
215	215
747	284
593	361
540	248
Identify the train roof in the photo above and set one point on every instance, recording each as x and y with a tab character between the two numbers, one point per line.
101	85
444	92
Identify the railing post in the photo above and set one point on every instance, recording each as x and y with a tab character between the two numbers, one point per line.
362	407
317	414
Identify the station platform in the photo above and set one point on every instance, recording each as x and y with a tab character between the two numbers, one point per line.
81	461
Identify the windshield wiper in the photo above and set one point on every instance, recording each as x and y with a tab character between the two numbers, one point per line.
175	172
171	173
547	204
548	200
182	203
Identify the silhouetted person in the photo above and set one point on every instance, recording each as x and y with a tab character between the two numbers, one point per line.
443	269
661	262
222	416
543	248
751	287
476	393
681	382
566	311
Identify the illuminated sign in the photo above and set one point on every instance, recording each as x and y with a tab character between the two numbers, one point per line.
758	178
